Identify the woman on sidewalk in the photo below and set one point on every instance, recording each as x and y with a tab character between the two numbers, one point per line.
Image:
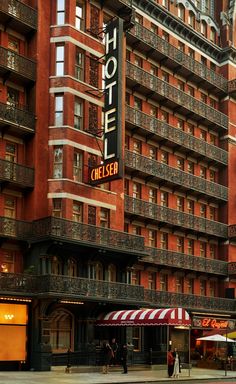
176	364
170	362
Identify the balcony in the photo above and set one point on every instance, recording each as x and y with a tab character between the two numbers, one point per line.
155	47
175	137
18	16
16	121
71	287
14	67
166	94
16	175
172	218
87	235
15	229
123	8
186	262
189	302
154	170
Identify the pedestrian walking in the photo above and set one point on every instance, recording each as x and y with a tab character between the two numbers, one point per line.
114	347
107	356
124	353
170	362
176	364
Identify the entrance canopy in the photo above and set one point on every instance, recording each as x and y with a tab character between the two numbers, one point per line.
143	317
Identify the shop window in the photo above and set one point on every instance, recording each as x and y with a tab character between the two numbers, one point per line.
78	166
60	12
57	208
78	114
59	110
79	64
80	15
77	212
58	162
61	329
60	56
136	338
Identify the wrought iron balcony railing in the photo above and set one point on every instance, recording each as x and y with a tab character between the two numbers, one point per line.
174	135
76	287
189	301
20	120
18	12
16	174
90	235
16	229
187	262
156	45
11	61
171	217
176	97
174	176
232	86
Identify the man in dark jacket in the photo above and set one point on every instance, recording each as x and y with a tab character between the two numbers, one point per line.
124	353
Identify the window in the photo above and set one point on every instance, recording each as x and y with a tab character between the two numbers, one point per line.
137	103
212	139
202	172
212	253
180	85
136	230
138	61
203	249
165	3
77	166
135	277
152	198
59	110
191	19
165	76
164	157
79	15
13	49
164	199
180	203
104	218
203	135
137	147
152	238
77	212
71	268
7	261
111	272
11	152
181	46
60	51
203	287
60	12
179	284
153	70
151	280
153	111
190	247
136	338
212	288
191	53
212	102
138	18
56	265
181	11
78	114
165	36
180	163
190	206
190	129
58	163
190	167
202	210
137	191
92	215
190	91
61	331
180	124
95	271
163	282
152	153
10	207
56	208
154	29
94	21
180	244
12	97
212	215
204	28
79	64
190	286
164	240
164	116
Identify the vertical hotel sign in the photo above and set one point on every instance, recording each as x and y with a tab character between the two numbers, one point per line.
111	168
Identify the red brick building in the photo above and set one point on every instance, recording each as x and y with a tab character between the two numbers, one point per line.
117	168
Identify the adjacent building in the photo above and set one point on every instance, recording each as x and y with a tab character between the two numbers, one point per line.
117	174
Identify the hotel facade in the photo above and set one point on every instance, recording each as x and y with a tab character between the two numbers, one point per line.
117	175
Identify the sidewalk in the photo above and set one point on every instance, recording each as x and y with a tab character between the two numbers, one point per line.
58	376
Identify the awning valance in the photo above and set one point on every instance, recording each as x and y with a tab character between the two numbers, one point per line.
143	317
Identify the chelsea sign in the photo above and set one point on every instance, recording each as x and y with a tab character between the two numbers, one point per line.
112	163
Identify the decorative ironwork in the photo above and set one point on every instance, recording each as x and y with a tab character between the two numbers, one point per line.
14	228
20	11
163	130
94	20
232	86
185	261
93	126
175	176
76	287
157	43
173	94
21	118
16	173
188	301
14	62
232	231
170	216
86	234
93	72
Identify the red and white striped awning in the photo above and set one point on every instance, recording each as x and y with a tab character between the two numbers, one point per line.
143	317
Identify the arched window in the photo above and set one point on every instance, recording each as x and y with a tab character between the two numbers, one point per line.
95	271
204	28
181	11
61	331
56	266
213	35
72	268
112	272
191	19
